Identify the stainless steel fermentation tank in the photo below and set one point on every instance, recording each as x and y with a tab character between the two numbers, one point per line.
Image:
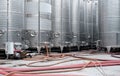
75	21
58	22
89	32
11	21
61	21
38	22
66	30
109	18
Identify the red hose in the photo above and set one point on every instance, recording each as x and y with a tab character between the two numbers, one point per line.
103	63
3	72
6	73
43	75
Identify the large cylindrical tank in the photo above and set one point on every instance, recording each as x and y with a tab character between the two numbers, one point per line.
88	21
38	20
92	21
75	21
67	34
57	22
11	20
95	21
82	35
109	22
61	21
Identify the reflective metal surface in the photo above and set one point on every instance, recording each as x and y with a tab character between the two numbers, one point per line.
66	22
42	27
92	21
75	19
11	20
109	22
96	30
61	20
89	32
82	21
57	22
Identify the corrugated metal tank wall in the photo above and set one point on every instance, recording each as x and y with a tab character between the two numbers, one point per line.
109	22
11	20
16	15
3	21
33	12
45	21
31	18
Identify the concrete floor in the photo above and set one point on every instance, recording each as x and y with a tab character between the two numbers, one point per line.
94	71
